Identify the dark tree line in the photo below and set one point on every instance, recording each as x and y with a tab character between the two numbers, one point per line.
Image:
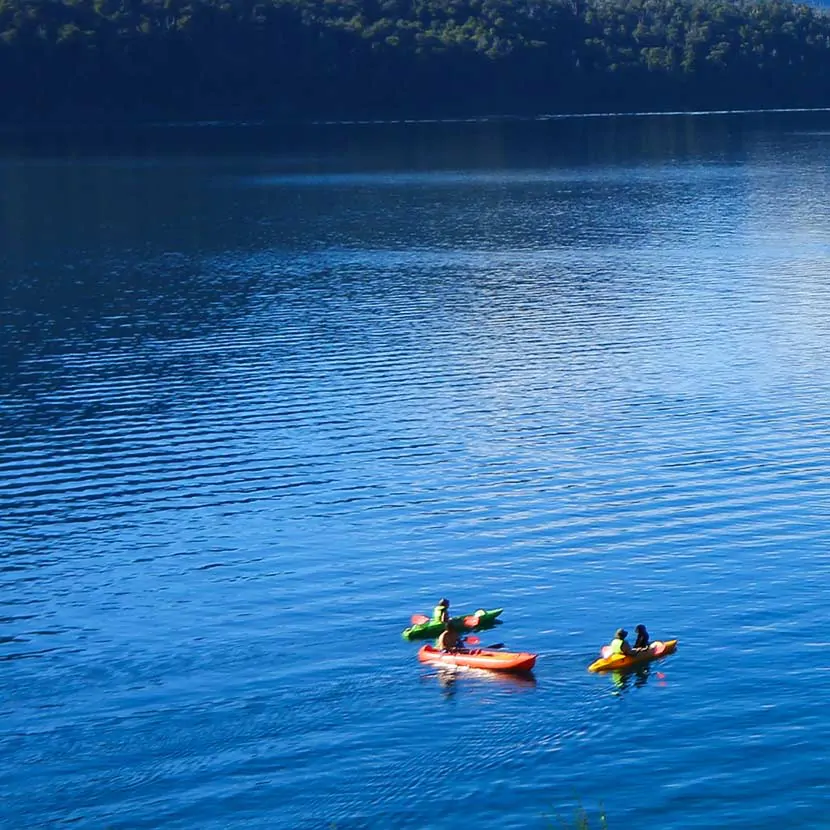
393	58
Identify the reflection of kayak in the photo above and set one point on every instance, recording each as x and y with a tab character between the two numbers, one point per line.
623	661
480	658
469	622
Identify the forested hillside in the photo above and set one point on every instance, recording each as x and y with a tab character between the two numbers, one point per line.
404	58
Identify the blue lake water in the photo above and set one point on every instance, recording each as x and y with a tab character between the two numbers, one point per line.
264	394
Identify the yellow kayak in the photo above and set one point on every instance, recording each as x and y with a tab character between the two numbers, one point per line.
623	661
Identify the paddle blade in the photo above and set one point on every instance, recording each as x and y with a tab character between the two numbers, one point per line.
605	652
657	648
473	641
472	621
419	619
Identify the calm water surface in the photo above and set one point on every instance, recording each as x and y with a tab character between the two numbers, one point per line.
265	395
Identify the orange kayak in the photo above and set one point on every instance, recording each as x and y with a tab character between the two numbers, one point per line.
479	658
623	661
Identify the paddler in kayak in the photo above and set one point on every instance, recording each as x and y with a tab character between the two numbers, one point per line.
642	642
449	640
619	645
441	612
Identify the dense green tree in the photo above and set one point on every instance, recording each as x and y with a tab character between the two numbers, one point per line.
355	58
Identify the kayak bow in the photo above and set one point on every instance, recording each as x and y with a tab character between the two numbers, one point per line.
623	661
431	629
480	658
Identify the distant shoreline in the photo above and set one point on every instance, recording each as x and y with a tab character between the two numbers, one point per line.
245	123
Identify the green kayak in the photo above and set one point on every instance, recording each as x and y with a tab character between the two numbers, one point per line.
468	622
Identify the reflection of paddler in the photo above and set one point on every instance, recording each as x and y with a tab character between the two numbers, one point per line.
620	679
447	678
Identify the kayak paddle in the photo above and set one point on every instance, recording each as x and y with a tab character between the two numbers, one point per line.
474	641
657	648
470	621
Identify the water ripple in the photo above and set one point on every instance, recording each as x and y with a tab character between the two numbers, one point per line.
240	449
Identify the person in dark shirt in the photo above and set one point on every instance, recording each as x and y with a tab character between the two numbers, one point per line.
642	640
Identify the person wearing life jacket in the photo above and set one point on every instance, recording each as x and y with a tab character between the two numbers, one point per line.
619	645
441	613
642	641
